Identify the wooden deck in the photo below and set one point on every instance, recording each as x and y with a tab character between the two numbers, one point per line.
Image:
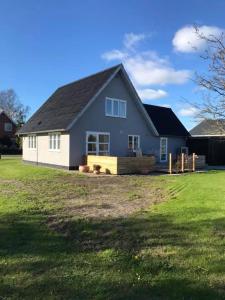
122	165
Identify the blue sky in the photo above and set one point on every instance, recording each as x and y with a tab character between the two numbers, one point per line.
45	44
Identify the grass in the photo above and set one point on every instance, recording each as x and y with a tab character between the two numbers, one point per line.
66	236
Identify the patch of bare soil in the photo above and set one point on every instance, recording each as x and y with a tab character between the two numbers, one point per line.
113	196
69	198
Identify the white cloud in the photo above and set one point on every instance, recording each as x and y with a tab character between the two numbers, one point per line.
146	67
149	94
131	40
189	111
186	39
114	55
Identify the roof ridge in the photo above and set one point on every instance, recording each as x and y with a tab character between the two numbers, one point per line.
88	76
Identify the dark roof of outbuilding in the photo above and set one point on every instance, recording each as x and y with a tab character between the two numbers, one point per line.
209	128
59	111
165	121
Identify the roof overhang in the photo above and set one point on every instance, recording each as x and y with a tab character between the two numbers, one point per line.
208	135
41	131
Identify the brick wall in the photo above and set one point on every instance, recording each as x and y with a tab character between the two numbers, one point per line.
5	119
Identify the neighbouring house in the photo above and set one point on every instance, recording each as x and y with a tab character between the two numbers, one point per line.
208	138
7	130
101	114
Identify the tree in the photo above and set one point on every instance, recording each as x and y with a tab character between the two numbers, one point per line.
212	84
11	104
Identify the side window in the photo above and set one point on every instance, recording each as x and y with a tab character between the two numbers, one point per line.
8	127
133	142
32	144
54	141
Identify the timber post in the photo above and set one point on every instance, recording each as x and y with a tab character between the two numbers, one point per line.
170	163
193	162
182	162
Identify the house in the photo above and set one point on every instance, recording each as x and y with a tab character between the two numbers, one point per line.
99	115
7	129
208	138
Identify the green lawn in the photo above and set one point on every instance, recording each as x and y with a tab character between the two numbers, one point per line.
67	236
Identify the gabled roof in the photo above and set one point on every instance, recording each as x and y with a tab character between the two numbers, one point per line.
69	102
59	111
165	121
209	128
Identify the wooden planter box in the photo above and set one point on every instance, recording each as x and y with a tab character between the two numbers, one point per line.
122	165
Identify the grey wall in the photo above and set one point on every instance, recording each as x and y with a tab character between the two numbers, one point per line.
94	119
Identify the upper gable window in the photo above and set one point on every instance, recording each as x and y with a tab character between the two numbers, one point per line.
8	127
115	108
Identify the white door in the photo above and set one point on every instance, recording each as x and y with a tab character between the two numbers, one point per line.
163	149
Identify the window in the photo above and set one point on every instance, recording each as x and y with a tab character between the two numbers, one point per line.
8	127
97	143
133	142
32	144
163	149
54	141
115	108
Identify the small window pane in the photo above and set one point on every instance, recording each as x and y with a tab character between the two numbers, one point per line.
122	109
130	142
109	107
92	138
54	142
135	142
91	147
103	138
115	108
58	142
34	143
104	147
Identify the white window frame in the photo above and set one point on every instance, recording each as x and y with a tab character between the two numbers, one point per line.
97	133
166	153
112	114
32	141
54	137
139	141
7	129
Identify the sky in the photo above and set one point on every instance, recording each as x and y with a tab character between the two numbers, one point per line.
48	43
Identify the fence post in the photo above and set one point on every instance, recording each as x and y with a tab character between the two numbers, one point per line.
170	163
182	162
193	162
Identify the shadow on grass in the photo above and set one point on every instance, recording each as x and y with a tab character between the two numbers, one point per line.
139	257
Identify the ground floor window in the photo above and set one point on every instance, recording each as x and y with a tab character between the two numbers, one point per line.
97	143
54	141
32	142
133	142
163	149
